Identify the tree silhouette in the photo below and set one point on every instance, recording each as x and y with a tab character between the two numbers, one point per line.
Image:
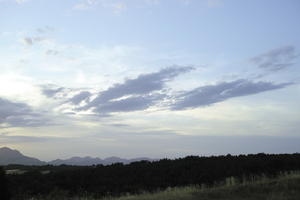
118	179
3	186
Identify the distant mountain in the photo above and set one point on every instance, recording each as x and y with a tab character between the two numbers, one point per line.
77	161
10	156
111	160
84	161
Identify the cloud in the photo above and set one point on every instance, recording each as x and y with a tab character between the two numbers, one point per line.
77	99
214	3
148	90
27	41
87	4
119	125
51	91
81	6
276	59
137	92
6	138
51	52
8	109
141	85
128	104
152	2
118	7
32	40
210	94
18	115
115	6
65	95
46	29
21	1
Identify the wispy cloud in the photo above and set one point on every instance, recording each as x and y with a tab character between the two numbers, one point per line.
27	41
210	94
149	90
137	94
214	3
78	98
10	139
51	90
21	1
129	104
81	6
276	59
115	6
143	84
46	29
52	52
118	7
14	114
32	40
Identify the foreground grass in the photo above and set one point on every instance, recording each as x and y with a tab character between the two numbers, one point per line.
283	188
286	187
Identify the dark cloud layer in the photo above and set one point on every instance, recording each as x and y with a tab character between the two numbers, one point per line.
209	94
5	139
137	93
80	97
49	91
19	115
276	59
128	104
150	90
143	84
8	109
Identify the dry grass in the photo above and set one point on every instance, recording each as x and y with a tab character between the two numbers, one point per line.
283	188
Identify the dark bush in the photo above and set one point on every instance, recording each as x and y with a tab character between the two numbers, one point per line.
3	186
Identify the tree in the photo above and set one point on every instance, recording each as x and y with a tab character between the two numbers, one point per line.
3	186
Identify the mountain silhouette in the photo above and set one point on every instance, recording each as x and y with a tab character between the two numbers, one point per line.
85	161
10	156
77	161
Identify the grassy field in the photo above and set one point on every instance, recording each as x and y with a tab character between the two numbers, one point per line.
286	187
283	188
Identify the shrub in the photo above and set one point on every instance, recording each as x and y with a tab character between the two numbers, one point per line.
4	195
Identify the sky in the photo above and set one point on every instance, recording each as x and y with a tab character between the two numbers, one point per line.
154	78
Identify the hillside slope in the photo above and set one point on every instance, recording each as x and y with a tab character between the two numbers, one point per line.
10	156
284	188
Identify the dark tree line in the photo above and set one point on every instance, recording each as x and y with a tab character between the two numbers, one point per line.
3	186
117	179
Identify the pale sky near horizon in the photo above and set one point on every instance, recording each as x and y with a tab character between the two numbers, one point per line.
155	78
